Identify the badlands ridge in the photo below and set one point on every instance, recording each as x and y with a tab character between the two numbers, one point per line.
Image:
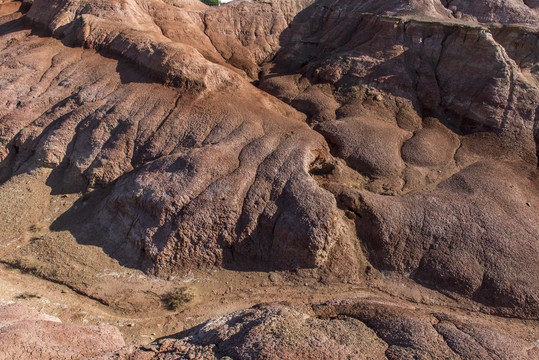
364	172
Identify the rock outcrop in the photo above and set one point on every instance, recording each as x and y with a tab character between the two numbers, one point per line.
360	138
194	173
362	328
432	110
344	329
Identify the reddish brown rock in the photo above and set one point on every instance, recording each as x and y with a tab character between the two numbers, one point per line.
433	103
196	183
370	146
342	329
429	234
505	11
432	146
27	334
407	69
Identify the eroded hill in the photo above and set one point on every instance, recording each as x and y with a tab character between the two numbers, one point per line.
343	141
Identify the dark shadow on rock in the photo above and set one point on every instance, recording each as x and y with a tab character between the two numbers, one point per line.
87	219
6	165
64	179
87	222
13	26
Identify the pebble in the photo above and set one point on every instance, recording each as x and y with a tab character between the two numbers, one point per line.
273	277
151	347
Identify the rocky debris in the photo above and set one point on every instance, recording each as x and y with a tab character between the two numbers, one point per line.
431	103
27	334
368	328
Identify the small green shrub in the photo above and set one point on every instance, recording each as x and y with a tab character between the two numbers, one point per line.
179	298
28	296
212	2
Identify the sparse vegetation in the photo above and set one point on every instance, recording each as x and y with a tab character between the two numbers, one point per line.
212	2
28	296
32	266
179	298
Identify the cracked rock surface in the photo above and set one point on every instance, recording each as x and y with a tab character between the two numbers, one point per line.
342	329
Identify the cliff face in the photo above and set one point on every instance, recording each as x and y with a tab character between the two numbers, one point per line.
336	135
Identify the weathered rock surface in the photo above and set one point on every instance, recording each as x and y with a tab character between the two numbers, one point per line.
343	329
434	104
172	155
405	94
27	334
361	328
425	234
